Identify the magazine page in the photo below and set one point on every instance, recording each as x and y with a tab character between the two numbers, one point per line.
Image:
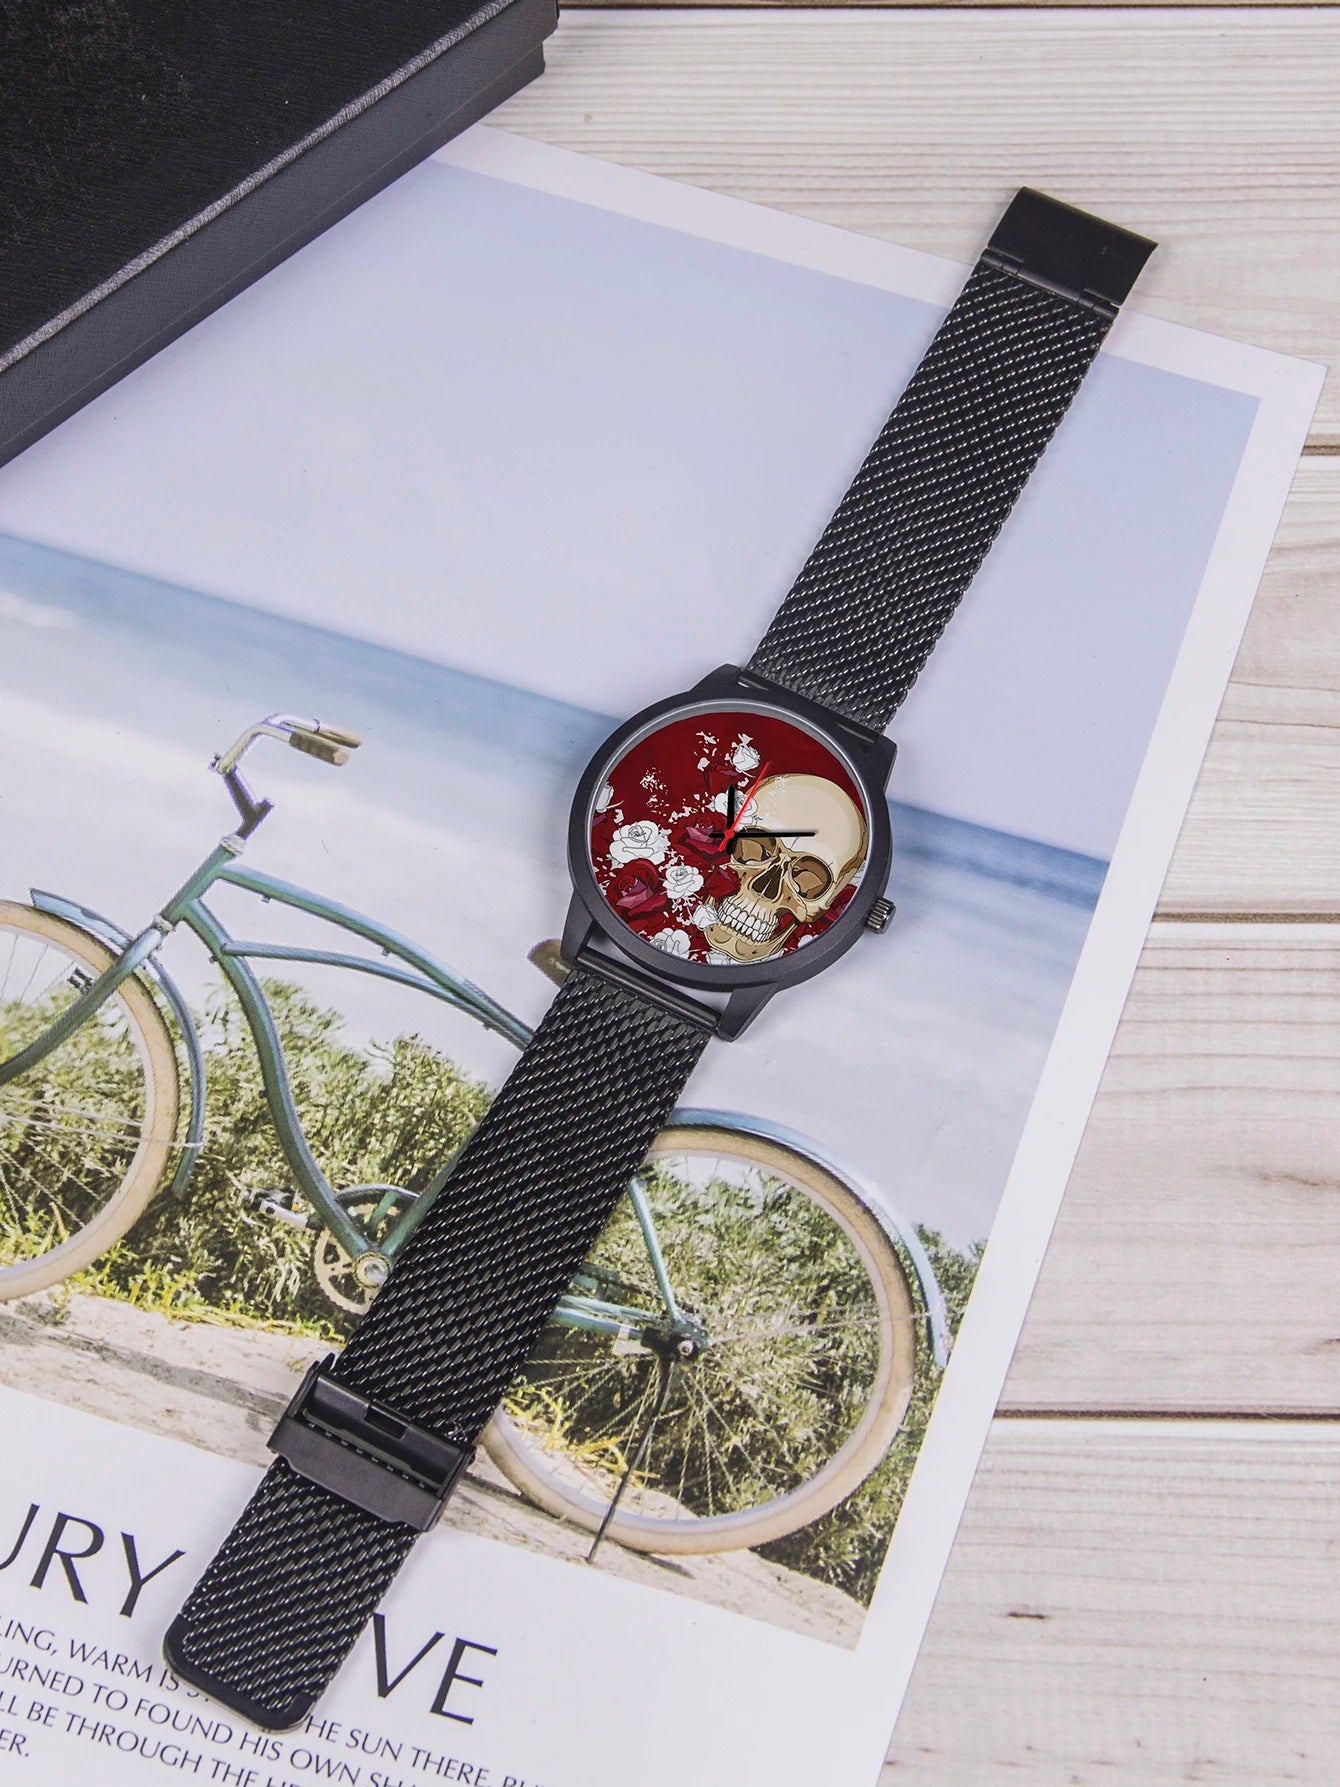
525	444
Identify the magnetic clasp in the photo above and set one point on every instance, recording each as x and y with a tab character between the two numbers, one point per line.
366	1452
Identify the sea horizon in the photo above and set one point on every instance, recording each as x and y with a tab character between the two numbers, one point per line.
914	1059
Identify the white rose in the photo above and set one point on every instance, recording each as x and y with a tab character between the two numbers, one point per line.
703	916
681	880
643	838
605	796
744	756
720	959
673	942
721	804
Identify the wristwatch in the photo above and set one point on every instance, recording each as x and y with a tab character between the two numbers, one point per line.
725	843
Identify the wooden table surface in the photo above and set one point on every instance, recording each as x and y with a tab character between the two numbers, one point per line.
1146	1584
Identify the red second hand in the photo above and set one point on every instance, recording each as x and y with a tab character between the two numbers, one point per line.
726	836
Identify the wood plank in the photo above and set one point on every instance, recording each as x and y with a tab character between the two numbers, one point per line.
1262	831
1262	834
1194	1265
1135	1604
1130	1602
1213	132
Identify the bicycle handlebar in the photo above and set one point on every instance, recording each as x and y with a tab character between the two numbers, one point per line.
335	742
314	738
315	744
336	734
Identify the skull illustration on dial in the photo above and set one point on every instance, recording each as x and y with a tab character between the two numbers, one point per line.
728	837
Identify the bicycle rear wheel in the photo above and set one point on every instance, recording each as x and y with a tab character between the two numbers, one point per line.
87	1133
797	1394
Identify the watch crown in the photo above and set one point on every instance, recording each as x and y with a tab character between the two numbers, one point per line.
877	919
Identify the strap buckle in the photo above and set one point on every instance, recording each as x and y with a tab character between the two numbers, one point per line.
379	1460
1066	251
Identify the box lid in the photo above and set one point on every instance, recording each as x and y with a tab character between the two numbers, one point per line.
135	125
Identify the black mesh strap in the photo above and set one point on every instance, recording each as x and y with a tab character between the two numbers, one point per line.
908	537
277	1611
274	1615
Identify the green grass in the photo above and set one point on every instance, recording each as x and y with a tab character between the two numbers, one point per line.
846	1548
392	1112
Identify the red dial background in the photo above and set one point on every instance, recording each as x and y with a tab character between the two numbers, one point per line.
652	849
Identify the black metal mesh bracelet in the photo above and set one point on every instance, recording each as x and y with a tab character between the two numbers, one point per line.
374	1442
276	1612
909	536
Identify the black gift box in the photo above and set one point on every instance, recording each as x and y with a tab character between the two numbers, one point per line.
156	156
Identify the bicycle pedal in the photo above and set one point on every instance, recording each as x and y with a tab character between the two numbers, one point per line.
272	1206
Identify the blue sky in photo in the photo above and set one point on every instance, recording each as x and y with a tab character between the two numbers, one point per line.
483	470
585	454
450	823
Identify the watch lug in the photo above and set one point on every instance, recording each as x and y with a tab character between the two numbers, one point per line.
607	963
882	756
740	1010
724	680
577	927
878	749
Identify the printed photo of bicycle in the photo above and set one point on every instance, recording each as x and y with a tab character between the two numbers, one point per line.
209	1114
99	1120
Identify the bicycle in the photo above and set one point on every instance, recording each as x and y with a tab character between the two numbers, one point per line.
679	1402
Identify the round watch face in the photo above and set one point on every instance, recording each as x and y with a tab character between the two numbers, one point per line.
728	836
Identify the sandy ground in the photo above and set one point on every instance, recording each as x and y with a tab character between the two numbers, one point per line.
223	1389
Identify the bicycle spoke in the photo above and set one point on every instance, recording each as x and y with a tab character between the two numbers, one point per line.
50	1196
43	1195
746	1337
9	966
627	1421
128	1126
732	1433
788	1338
32	972
15	1209
72	1125
596	1383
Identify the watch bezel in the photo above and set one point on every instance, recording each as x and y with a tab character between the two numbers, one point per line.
867	761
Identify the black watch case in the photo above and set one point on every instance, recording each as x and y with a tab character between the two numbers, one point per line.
597	937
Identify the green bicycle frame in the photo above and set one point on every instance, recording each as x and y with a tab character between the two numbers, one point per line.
401	962
405	964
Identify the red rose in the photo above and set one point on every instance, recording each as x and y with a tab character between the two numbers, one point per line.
704	836
719	879
636	890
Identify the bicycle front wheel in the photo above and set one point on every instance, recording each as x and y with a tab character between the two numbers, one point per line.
800	1385
87	1133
